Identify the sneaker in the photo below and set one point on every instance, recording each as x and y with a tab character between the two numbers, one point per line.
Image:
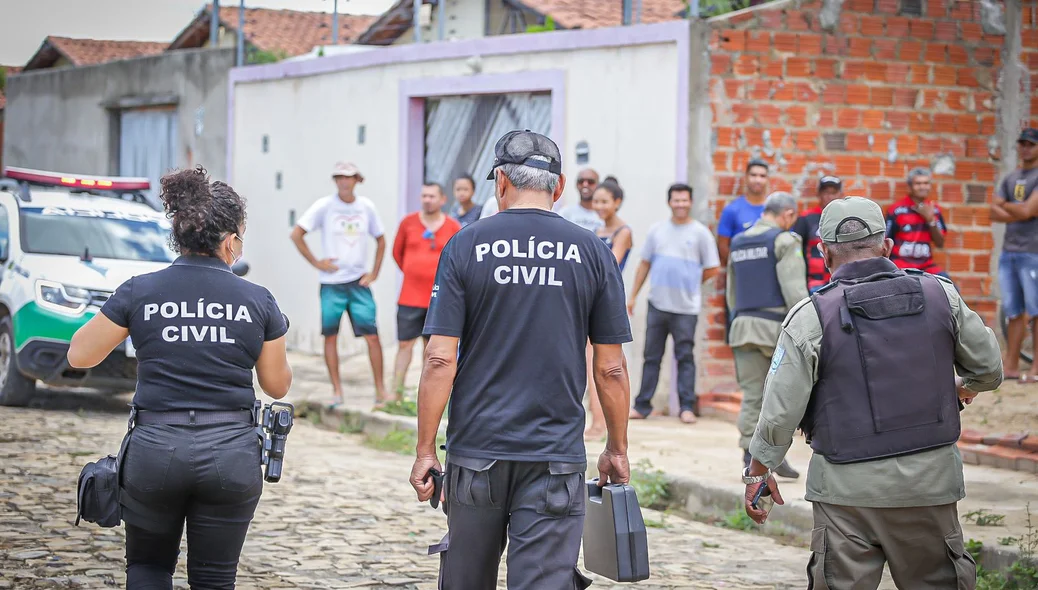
786	470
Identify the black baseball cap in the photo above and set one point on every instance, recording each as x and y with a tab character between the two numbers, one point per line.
830	181
520	147
1030	135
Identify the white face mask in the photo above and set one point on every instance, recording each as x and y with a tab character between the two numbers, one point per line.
239	257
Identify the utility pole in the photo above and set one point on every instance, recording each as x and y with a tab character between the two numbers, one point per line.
335	22
693	9
441	16
638	13
241	34
417	24
626	12
214	25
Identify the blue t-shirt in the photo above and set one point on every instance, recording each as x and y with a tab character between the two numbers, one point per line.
524	290
737	217
198	330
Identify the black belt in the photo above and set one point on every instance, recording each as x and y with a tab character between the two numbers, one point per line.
186	417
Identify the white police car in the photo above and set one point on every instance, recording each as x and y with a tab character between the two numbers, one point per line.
66	242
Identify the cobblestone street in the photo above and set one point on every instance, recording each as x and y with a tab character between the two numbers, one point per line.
342	517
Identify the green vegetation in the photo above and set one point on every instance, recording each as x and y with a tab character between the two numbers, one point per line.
738	520
1022	574
549	25
3	79
984	517
650	484
404	407
259	56
708	8
401	441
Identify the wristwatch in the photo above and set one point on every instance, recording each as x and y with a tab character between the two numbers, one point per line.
748	479
933	223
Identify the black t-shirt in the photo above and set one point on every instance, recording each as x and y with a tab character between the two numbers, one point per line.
524	290
198	330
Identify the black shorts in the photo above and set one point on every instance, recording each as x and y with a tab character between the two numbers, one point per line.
410	321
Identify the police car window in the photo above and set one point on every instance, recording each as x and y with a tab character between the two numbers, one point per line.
106	234
5	241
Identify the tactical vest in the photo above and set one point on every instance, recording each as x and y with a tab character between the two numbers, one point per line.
756	279
886	375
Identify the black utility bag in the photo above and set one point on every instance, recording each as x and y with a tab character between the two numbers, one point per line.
99	486
615	542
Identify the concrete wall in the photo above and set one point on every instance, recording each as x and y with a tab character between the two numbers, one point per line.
465	19
61	119
315	127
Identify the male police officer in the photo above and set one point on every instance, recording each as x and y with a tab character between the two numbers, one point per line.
766	278
523	291
866	367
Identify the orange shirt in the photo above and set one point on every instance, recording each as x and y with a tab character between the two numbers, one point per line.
418	257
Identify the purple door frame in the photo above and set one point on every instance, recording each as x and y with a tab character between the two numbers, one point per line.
413	93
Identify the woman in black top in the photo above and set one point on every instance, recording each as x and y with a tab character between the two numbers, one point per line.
199	330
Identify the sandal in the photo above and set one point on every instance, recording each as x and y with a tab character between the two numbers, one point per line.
1025	378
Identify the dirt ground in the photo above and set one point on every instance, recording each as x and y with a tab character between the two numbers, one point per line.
1010	409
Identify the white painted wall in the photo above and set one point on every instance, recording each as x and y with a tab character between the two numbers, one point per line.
623	101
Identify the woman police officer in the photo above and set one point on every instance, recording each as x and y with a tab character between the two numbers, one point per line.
199	330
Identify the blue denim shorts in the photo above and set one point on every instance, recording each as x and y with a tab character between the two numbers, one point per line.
1018	280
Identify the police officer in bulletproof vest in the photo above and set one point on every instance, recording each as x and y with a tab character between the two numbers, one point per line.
867	368
765	280
193	454
522	291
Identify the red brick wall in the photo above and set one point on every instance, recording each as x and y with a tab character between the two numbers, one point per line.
832	102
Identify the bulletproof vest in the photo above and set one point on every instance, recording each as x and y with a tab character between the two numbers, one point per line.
886	375
756	279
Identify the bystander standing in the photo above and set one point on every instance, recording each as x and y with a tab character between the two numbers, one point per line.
465	210
830	188
416	250
1017	206
682	255
916	225
345	221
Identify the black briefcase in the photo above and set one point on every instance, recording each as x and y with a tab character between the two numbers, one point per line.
615	544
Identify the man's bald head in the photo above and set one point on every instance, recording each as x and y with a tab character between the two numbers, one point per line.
587	182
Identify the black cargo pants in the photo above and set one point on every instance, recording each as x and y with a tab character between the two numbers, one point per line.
207	476
535	508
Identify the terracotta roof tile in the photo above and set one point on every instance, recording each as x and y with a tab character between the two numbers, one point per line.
290	31
591	14
86	52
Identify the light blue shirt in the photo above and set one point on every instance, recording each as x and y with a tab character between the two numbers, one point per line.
678	254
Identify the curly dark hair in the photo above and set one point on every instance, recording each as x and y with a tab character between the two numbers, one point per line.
202	212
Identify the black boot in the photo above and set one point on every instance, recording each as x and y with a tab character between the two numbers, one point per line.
786	470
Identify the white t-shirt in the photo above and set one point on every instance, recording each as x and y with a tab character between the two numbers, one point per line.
585	218
345	228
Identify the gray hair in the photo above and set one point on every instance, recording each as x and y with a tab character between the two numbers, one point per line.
779	202
858	248
528	178
916	173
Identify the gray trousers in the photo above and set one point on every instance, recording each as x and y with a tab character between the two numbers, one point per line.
752	363
922	546
535	509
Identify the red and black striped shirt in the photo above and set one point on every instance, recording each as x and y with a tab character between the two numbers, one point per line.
806	227
913	245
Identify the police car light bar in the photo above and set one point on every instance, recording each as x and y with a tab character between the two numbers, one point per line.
109	183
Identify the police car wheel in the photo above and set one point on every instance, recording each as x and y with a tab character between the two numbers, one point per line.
15	389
